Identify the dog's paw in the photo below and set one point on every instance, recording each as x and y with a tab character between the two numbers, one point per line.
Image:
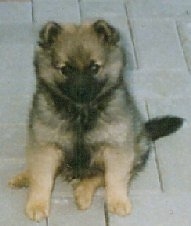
83	196
37	210
120	207
19	181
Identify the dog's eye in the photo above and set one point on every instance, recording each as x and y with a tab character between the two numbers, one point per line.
67	69
94	67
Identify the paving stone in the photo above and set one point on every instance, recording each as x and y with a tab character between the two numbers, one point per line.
160	9
64	212
174	159
157	44
13	141
115	13
15	12
58	10
15	89
16	68
14	110
169	106
13	201
157	210
16	33
16	82
111	8
162	84
184	29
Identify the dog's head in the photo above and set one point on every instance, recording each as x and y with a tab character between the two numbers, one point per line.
79	60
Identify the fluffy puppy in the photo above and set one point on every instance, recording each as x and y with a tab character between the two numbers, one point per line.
83	122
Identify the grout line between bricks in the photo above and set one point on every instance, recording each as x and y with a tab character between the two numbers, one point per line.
47	224
13	160
106	214
131	36
14	124
80	9
156	156
158	168
32	4
181	44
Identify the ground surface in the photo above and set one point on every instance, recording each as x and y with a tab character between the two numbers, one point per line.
157	36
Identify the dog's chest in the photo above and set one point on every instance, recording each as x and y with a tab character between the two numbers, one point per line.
82	120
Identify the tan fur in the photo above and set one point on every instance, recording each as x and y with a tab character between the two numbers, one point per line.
85	189
118	166
42	167
20	181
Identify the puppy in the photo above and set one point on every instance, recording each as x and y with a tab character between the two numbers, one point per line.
83	122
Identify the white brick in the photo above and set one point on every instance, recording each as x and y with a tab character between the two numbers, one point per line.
15	12
16	82
15	109
157	44
161	9
13	141
58	10
98	8
174	159
157	210
16	33
16	66
162	84
177	106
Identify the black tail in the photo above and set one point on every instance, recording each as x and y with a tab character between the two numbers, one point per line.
163	126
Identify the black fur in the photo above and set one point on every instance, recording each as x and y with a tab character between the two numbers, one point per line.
160	127
142	163
157	128
109	34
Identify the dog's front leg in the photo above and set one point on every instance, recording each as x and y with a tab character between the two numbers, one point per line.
118	164
43	163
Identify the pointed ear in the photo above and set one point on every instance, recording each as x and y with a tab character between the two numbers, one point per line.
106	32
49	33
